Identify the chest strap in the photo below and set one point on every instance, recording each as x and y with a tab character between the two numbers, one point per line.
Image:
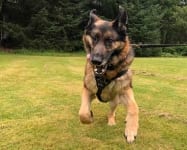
102	82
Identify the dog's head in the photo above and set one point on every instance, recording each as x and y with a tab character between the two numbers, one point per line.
104	38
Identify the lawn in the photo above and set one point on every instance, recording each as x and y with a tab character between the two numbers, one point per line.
40	99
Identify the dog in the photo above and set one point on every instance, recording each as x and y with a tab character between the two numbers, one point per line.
107	74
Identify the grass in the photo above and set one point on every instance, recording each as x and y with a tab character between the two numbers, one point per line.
40	99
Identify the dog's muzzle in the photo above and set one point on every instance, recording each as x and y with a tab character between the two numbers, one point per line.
97	59
100	63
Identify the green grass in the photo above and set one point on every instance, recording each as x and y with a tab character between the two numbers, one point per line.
40	99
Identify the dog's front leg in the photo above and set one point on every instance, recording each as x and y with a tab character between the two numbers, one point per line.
111	115
132	116
85	112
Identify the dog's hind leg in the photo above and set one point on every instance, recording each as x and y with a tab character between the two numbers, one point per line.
132	116
111	114
85	113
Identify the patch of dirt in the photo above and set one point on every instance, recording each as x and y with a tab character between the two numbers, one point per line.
181	78
172	117
145	73
165	115
142	72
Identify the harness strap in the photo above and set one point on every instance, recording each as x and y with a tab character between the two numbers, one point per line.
102	82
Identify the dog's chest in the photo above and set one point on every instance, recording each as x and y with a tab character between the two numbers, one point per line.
110	91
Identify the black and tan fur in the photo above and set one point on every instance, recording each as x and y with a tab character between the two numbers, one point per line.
101	37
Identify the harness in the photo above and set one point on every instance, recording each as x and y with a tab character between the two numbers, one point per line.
100	71
102	82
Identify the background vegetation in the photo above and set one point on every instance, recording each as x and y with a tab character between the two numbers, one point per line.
40	100
57	24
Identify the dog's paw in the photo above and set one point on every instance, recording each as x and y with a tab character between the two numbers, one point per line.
131	130
111	121
130	134
86	118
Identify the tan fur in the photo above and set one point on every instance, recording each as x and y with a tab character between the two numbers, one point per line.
118	91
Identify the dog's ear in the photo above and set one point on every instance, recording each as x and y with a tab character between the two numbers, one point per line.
120	23
92	20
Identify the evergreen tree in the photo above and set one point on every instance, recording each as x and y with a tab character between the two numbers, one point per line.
144	24
167	21
59	25
180	25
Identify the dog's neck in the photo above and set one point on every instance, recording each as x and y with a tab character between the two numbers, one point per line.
121	62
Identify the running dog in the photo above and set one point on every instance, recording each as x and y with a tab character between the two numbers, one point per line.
107	74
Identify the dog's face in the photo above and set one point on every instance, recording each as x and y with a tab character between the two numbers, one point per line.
103	38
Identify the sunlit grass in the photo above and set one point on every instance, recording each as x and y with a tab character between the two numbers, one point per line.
40	99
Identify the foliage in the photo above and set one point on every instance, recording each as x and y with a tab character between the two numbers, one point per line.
56	24
175	51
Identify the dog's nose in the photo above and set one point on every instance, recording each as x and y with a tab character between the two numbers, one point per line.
97	60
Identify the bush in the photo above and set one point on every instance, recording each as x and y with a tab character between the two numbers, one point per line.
182	51
147	52
175	51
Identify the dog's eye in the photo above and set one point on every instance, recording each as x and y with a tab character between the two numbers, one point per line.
95	38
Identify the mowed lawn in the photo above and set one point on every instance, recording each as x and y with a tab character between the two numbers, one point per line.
40	99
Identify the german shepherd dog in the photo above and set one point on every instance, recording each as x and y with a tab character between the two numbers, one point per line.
107	73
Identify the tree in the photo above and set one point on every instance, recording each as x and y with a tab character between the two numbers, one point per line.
180	25
59	25
144	24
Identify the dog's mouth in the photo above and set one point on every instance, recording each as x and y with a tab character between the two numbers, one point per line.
100	69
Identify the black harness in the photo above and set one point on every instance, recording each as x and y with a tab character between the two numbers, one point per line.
100	71
102	82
